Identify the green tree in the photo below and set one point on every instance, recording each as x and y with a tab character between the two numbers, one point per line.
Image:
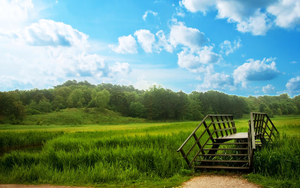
44	106
76	99
100	99
137	109
11	108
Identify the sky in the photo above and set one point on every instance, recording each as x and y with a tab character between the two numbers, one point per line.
236	47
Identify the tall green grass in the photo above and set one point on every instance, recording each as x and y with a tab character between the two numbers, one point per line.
89	159
277	164
20	139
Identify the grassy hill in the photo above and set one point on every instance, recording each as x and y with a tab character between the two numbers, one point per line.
76	116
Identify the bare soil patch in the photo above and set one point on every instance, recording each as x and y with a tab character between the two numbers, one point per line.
203	181
210	181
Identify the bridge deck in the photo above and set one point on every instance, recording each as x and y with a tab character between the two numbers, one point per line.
236	136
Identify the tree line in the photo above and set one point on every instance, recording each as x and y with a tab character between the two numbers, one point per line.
156	103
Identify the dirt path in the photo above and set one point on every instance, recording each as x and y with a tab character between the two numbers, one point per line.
209	181
204	181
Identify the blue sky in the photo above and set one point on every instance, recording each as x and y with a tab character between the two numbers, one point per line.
237	47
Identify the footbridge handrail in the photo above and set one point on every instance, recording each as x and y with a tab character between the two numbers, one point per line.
220	125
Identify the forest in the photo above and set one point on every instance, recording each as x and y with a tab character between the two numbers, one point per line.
156	103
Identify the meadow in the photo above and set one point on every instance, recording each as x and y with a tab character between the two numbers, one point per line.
127	155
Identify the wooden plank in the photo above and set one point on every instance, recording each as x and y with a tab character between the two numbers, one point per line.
198	143
222	167
214	115
188	138
219	126
206	149
214	125
225	130
223	122
228	124
252	131
224	126
236	136
231	143
185	158
272	124
210	137
208	131
223	161
233	155
233	124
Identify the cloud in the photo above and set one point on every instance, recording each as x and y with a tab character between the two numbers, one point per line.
193	60
51	33
14	12
251	16
83	65
9	83
195	5
227	48
248	16
120	68
293	86
268	89
187	36
255	71
127	44
163	42
218	81
287	13
147	12
256	24
146	39
48	33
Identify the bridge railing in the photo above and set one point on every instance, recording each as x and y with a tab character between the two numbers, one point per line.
260	127
263	127
211	127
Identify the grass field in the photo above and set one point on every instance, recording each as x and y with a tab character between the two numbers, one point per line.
139	154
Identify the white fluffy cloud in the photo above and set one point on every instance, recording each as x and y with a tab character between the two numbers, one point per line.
227	47
149	12
287	13
216	81
163	42
255	71
14	12
212	80
293	86
187	36
120	68
193	60
48	33
127	44
83	65
251	16
51	33
268	89
194	5
146	39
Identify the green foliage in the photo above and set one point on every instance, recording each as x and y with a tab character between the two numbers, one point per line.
78	116
277	164
76	99
137	109
11	108
100	99
156	103
86	158
21	139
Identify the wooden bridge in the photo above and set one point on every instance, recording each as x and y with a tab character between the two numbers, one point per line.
215	143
